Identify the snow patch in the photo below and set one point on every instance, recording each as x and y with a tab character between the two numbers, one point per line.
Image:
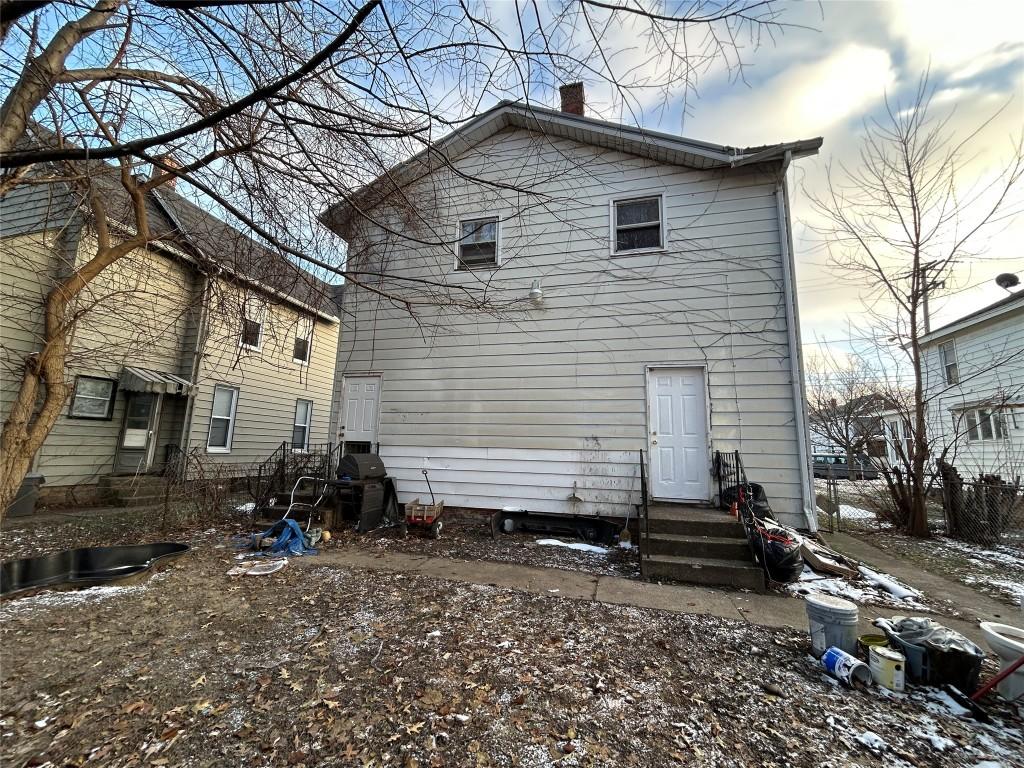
577	545
872	741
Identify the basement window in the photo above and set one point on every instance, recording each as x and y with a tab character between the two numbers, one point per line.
637	225
478	243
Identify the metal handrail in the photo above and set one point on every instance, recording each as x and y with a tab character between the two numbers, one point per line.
645	538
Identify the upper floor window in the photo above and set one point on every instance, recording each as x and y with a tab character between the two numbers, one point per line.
251	336
93	398
947	359
303	341
637	224
982	424
478	243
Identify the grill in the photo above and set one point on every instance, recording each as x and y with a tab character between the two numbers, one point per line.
364	490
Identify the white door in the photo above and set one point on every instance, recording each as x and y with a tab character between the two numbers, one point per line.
361	405
677	414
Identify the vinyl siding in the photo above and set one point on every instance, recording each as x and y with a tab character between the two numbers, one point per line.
268	380
525	404
990	359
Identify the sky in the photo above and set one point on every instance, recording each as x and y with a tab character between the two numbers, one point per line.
827	74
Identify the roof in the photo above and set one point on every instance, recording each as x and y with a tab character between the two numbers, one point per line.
1012	303
176	221
662	147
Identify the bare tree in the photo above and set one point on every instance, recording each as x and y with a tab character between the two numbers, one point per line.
270	112
898	223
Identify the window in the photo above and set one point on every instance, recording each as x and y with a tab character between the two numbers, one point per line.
983	424
300	430
222	419
93	398
478	243
252	333
300	352
637	225
947	359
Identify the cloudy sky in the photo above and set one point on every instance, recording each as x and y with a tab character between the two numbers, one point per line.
827	78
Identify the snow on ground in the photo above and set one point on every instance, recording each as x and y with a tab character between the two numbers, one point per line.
849	512
577	545
863	591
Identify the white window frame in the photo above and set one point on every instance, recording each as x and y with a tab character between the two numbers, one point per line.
231	422
972	421
108	414
613	229
458	266
306	426
304	331
944	364
254	311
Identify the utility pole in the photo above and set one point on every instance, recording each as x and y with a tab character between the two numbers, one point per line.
926	288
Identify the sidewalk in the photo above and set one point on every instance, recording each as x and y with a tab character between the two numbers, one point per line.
972	604
771	610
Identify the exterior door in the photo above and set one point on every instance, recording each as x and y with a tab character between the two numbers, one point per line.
138	433
678	434
359	414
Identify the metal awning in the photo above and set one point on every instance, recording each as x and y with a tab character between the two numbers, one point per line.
144	380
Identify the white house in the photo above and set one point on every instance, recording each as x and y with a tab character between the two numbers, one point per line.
974	385
646	286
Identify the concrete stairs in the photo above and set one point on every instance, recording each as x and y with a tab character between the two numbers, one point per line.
698	545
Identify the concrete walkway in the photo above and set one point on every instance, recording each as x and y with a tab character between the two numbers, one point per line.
973	605
771	610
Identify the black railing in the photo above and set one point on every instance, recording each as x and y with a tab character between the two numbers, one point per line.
290	461
643	523
729	471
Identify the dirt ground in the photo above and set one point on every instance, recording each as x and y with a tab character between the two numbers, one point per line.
328	666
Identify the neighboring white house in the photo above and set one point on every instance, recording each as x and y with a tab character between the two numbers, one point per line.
974	385
647	285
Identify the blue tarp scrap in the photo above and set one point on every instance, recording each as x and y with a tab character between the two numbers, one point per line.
290	540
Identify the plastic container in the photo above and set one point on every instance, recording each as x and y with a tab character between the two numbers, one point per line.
832	622
25	499
866	642
888	668
846	667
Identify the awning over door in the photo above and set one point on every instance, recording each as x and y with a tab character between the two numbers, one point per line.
144	380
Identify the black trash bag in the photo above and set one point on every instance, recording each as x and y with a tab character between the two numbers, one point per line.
754	499
776	548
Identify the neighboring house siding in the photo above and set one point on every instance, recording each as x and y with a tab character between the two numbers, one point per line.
269	382
515	409
990	362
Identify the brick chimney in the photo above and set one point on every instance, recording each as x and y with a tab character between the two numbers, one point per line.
171	161
573	99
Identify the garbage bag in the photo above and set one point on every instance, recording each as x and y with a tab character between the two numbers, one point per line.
288	539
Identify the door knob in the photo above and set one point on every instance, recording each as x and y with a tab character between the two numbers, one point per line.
654	442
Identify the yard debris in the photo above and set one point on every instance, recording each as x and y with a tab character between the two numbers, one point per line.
258	567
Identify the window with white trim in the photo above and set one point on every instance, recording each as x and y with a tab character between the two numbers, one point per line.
222	419
947	359
637	225
982	424
93	398
303	341
478	243
300	429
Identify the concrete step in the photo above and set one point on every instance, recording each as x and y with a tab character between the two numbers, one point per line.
693	521
717	547
705	570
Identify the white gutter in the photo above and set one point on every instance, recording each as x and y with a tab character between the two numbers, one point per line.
796	366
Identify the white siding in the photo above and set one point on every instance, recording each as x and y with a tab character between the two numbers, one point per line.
522	405
990	358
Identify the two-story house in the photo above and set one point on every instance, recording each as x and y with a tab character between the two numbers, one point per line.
203	343
642	298
974	390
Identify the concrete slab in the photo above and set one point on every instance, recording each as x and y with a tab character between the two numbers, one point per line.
667	597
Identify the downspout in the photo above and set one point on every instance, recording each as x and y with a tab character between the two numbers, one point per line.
197	357
796	366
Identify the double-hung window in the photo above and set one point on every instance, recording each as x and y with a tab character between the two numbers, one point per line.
303	341
478	243
947	359
251	336
93	398
300	429
637	225
222	419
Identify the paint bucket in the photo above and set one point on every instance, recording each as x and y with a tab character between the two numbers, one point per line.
845	667
887	668
832	622
866	642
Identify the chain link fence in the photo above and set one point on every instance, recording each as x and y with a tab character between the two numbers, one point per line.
986	511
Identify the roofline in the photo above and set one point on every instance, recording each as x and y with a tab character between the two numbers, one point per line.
1012	303
533	117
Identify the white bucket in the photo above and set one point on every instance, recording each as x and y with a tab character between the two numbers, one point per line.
888	668
832	622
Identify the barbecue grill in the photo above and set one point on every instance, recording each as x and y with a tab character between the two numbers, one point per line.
363	490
